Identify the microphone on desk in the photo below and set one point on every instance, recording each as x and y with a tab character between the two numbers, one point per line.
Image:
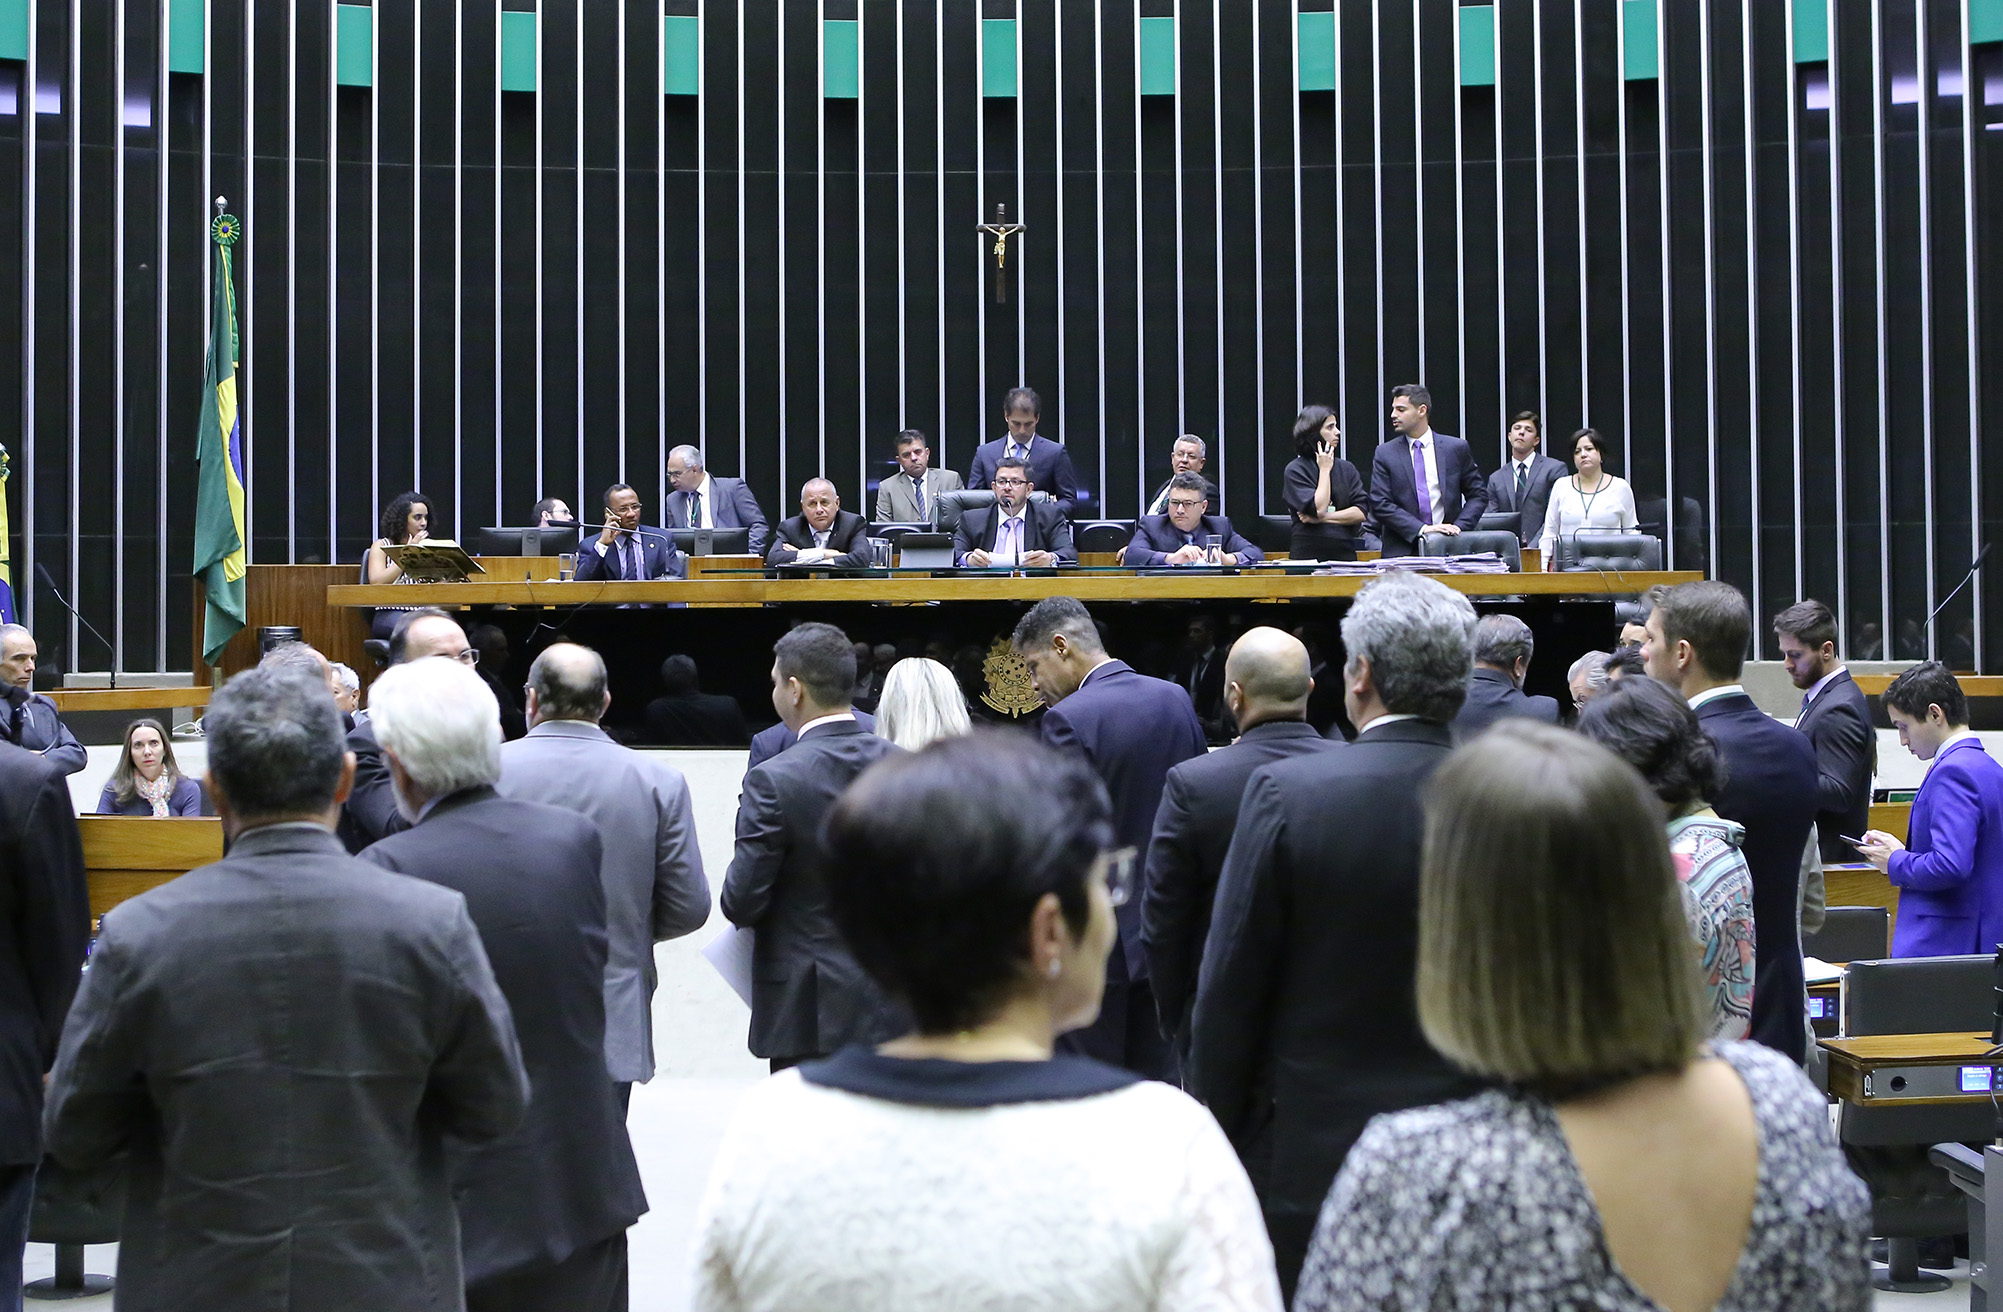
1928	626
48	578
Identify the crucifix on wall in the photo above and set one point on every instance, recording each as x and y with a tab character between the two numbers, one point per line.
1002	230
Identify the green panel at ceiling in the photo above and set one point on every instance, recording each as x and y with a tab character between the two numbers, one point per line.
1810	31
1157	56
1642	62
998	57
840	39
1317	54
184	36
355	26
1985	21
1478	45
518	51
13	29
681	43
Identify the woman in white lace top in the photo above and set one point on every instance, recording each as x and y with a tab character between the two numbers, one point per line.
1621	1163
969	1165
1590	499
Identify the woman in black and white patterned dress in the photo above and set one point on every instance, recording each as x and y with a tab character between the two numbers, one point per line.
1623	1165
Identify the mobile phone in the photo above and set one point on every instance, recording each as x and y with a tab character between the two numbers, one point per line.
1854	842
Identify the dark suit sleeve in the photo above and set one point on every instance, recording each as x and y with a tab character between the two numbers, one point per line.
1059	529
760	852
477	1086
1843	746
1474	491
782	550
1234	989
1066	481
1057	731
681	890
1297	484
371	811
96	1095
1168	904
52	914
590	564
963	537
64	751
982	470
1392	518
855	547
750	515
1140	552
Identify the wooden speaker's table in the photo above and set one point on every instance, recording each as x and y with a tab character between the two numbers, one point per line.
124	856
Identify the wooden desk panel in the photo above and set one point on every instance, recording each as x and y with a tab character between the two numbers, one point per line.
1085	587
1849	1059
127	699
124	856
1845	886
1974	685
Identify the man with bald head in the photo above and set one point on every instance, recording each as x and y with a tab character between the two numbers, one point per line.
822	533
1266	687
655	888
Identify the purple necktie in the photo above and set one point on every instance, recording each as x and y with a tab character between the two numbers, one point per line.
1013	529
1419	483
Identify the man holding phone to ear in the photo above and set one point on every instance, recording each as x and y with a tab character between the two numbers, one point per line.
625	549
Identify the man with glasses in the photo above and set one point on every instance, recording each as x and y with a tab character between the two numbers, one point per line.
625	548
1016	531
1183	535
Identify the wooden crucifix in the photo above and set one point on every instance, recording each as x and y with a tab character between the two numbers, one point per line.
1002	230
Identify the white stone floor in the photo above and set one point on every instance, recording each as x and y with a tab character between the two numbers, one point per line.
677	1120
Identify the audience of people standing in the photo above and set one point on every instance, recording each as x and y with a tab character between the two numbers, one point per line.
1655	731
1304	1026
280	1045
1133	730
1697	639
543	1210
651	869
1619	1163
970	1162
147	781
1949	871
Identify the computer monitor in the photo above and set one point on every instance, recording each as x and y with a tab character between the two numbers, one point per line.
529	540
712	541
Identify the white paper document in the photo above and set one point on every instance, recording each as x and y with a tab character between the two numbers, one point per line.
730	953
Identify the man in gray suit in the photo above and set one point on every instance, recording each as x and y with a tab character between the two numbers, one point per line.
652	870
700	501
808	995
911	495
281	1042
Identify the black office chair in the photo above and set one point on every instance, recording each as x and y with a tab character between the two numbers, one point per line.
1269	533
1850	934
71	1209
1504	545
1607	552
954	504
1911	1198
1103	534
1503	521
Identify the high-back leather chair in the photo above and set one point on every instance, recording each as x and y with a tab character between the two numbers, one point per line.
1850	934
1103	534
1608	552
1911	1198
1504	545
954	504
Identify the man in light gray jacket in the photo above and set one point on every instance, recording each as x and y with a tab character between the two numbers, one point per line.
655	889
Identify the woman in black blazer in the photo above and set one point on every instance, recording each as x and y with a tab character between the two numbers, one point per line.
1322	491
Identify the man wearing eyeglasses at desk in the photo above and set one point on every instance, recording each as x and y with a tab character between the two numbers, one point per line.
1016	531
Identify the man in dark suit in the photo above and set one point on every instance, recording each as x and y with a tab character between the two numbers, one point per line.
808	995
1188	456
1455	495
700	501
282	1043
1133	730
1177	537
625	549
1266	690
543	1211
1837	720
1049	463
47	918
1306	1024
1697	638
1503	645
686	716
1199	671
769	742
1015	530
27	719
1523	484
822	533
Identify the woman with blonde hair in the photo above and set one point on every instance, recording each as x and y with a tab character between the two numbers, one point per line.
920	704
146	781
1620	1162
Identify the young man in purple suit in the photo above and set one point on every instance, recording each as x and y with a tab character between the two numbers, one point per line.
1949	872
1422	481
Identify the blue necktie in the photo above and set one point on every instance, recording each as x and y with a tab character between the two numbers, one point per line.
633	569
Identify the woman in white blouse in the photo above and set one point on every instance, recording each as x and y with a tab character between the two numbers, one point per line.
1591	498
969	1164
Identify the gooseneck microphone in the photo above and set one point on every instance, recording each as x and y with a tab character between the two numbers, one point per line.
43	570
1959	586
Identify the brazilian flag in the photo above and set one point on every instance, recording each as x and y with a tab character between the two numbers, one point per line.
219	533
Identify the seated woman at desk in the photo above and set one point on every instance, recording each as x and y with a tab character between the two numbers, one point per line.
146	781
406	521
1322	490
1620	1162
1591	499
